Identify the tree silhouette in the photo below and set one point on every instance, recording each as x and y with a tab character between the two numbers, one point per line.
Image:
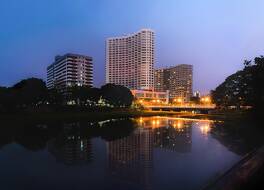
244	88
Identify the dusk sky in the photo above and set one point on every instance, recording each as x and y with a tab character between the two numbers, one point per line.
213	35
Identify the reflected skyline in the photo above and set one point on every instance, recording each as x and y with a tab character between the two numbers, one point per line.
122	153
71	148
131	158
171	134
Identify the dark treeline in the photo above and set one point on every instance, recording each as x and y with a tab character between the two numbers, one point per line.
33	93
244	88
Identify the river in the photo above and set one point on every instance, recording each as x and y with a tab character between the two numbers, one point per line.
139	153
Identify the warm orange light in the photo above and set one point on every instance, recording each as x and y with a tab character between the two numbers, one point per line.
206	99
179	100
205	129
179	125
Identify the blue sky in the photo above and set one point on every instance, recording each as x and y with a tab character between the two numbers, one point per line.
213	35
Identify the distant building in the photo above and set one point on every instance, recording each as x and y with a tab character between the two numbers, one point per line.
130	60
161	80
70	70
178	80
197	94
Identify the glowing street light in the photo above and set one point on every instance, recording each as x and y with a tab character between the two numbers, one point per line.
206	99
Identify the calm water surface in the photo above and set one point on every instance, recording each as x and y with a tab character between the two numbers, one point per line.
142	153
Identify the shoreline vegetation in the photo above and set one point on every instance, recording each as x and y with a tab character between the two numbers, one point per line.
93	116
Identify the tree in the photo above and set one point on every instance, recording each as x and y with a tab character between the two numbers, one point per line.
82	94
55	97
94	94
245	87
4	97
30	91
117	95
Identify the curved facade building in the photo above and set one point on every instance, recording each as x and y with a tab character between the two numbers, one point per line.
130	60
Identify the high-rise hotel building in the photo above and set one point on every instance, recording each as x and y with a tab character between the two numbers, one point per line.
70	70
178	80
130	60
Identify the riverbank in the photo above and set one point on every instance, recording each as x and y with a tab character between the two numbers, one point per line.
247	174
89	115
114	114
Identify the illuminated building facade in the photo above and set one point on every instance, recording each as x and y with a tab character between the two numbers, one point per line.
149	95
161	80
130	60
70	70
178	80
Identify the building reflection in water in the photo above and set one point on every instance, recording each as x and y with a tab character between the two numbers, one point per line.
169	133
70	147
131	158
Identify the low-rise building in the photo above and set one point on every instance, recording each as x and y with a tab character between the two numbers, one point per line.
151	96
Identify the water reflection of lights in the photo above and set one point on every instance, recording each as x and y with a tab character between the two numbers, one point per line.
177	119
179	124
205	129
